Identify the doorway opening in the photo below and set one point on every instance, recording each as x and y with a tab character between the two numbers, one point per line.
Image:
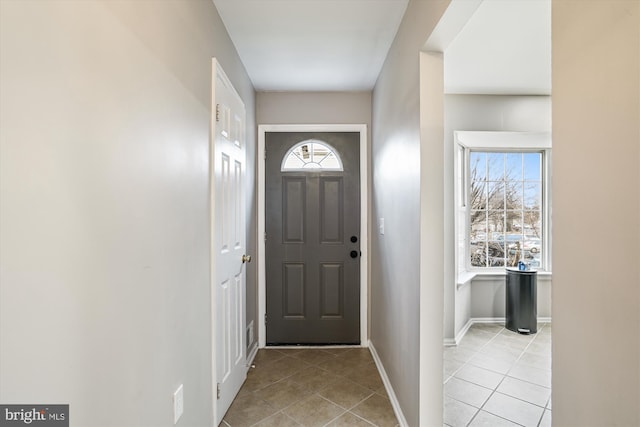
491	373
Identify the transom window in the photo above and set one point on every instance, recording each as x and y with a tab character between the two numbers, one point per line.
311	155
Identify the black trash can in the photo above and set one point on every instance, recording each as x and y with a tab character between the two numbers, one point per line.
521	301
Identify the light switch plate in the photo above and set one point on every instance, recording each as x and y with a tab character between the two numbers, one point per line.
178	404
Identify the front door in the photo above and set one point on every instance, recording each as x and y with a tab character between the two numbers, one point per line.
312	238
228	241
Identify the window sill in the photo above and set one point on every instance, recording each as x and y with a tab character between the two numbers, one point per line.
466	277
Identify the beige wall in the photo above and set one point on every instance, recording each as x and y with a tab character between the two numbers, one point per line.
596	213
104	260
303	108
395	256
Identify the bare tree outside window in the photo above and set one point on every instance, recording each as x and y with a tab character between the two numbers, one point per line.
505	201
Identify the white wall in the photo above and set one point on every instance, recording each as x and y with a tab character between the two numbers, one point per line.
483	298
104	259
395	256
596	213
487	299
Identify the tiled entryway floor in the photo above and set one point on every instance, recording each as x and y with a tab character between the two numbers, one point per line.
312	387
496	377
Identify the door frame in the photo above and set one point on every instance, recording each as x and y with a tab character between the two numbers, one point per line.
364	221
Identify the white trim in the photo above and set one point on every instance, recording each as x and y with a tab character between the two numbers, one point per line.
388	387
316	347
252	355
212	275
462	332
364	219
486	320
291	150
475	320
466	277
504	140
448	342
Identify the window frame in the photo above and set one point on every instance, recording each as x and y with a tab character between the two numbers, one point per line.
517	142
331	149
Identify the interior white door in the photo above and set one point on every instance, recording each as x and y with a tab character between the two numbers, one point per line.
228	241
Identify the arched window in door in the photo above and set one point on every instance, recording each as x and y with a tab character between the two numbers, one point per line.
311	155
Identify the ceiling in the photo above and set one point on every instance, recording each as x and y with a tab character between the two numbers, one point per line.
312	45
505	48
340	45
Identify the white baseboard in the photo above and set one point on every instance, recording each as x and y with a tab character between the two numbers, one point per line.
387	385
252	355
450	342
463	331
316	347
502	320
487	320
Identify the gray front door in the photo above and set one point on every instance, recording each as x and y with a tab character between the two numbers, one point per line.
312	242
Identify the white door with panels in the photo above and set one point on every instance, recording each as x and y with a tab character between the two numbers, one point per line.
228	241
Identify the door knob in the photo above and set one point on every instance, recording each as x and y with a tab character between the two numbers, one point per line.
246	258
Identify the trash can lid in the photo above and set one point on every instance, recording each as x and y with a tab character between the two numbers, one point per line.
516	270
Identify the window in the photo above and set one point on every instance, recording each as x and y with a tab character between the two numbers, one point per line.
505	208
311	155
503	198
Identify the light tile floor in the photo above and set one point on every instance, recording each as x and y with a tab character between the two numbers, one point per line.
312	387
496	377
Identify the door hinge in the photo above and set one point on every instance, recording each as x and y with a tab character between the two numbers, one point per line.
265	154
265	236
218	391
265	318
217	112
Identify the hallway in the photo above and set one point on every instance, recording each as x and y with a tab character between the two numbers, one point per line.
107	225
312	387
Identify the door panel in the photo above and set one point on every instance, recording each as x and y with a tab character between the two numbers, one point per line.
312	282
332	290
293	291
228	243
332	210
294	196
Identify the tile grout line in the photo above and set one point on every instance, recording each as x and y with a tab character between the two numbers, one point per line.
518	359
286	355
493	390
475	352
254	393
359	417
504	376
